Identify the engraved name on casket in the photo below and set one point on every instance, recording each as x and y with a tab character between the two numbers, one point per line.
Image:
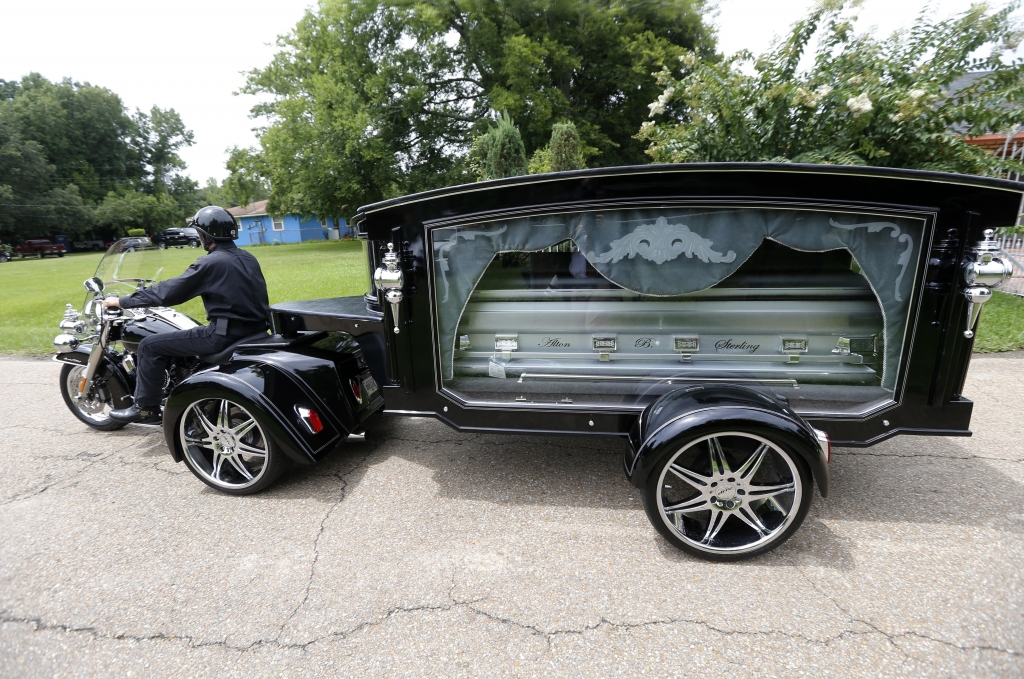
731	346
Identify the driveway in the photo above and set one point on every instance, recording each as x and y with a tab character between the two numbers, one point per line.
426	552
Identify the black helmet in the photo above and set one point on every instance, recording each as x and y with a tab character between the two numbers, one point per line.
215	222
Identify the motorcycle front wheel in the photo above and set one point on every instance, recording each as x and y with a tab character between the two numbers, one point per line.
94	409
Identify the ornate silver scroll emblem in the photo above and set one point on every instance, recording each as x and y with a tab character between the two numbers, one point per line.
444	246
875	227
660	242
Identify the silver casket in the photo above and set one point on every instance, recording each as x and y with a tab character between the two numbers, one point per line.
630	304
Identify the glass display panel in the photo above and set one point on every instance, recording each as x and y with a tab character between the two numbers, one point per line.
617	307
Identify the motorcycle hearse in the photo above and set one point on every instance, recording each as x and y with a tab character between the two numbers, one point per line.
731	322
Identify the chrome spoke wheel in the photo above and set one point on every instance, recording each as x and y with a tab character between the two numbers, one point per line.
729	493
224	443
95	405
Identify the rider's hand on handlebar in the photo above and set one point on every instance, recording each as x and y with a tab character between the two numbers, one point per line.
112	302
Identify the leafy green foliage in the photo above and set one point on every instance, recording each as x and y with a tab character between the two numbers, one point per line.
564	152
83	131
136	232
72	159
127	211
246	182
213	193
499	152
376	99
863	101
32	199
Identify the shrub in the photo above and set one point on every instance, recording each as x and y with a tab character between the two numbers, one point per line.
499	152
136	232
863	101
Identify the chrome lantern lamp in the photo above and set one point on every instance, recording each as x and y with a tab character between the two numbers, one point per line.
389	280
983	272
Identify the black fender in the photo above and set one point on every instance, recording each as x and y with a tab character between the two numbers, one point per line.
108	369
273	385
695	411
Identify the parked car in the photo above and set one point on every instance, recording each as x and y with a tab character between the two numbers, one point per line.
176	238
95	245
5	256
38	248
133	244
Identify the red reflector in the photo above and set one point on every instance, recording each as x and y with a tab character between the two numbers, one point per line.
311	419
356	391
315	423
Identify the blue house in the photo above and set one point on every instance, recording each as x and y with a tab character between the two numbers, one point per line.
256	227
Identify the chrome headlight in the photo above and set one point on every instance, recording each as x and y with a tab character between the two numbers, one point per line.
73	326
65	343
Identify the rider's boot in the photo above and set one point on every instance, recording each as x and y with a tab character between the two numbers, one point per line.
136	414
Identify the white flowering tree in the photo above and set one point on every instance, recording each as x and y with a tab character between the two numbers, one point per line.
863	101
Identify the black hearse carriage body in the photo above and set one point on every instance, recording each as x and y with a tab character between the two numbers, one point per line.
723	318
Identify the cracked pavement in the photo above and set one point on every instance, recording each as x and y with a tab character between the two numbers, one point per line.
428	552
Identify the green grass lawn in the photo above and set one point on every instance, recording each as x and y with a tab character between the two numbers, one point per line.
33	292
1001	327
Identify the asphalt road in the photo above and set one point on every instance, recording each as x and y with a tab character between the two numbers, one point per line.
426	552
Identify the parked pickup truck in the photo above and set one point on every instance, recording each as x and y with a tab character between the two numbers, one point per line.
95	245
38	248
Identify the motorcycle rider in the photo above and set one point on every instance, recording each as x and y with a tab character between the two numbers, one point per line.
234	293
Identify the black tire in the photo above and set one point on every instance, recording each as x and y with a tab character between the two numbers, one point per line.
60	254
193	243
161	246
746	523
203	445
39	254
18	255
114	392
4	257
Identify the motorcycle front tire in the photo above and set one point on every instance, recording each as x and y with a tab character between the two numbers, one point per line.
99	421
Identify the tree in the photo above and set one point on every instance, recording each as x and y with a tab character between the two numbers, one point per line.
136	210
375	99
84	132
499	152
67	147
215	193
246	182
28	205
564	151
863	101
158	136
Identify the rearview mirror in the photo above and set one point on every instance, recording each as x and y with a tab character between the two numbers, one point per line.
94	284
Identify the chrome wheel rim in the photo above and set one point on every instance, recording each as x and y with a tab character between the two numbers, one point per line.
224	443
88	406
729	493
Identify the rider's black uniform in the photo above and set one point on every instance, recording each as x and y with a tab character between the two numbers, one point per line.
235	295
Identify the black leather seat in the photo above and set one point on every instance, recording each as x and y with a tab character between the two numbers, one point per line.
221	356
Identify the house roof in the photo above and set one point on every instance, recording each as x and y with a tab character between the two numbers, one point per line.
257	209
997	142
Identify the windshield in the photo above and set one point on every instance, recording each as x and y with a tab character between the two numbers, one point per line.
134	263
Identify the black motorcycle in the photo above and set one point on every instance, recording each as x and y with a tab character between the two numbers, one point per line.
236	420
